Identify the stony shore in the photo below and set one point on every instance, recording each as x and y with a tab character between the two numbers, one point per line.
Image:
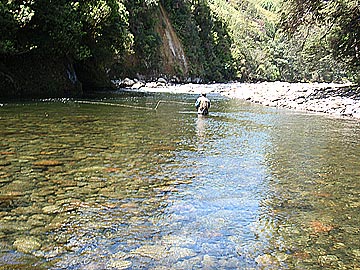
341	100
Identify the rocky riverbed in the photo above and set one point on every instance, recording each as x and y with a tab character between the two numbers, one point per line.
100	187
341	100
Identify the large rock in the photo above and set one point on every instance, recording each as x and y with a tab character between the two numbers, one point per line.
162	80
138	85
127	82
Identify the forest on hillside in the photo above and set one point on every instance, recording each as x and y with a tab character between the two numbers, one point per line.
66	47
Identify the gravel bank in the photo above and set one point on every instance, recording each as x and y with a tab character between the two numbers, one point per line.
341	100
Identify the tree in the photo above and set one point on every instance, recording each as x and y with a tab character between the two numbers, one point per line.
142	23
75	29
339	20
15	17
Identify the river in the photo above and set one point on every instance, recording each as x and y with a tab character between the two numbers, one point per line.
91	186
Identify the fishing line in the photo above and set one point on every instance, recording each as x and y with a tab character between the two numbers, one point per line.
130	106
169	101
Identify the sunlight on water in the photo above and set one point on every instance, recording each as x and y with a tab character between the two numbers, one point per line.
90	186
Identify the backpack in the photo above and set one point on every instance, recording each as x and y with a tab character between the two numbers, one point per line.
204	106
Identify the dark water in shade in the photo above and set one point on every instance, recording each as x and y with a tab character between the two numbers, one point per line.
87	186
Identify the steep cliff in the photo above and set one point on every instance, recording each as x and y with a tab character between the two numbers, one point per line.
157	49
173	57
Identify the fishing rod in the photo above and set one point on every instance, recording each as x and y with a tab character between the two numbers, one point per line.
130	106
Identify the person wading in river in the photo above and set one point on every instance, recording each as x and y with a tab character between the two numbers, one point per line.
202	104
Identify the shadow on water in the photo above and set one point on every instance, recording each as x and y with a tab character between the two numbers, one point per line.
85	186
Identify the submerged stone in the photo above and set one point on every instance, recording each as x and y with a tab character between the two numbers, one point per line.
48	163
4	163
208	262
328	260
178	253
266	260
27	244
51	209
120	264
155	252
319	227
356	253
38	220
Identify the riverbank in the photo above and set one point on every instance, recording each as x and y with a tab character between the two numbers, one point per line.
341	100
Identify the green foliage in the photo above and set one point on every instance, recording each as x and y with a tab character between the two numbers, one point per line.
142	21
252	29
105	28
268	5
263	53
337	20
206	39
14	17
223	39
88	33
304	61
78	30
216	44
183	20
55	30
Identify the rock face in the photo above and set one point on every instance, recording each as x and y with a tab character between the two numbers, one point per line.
171	49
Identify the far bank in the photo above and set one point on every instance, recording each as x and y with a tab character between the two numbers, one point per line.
340	100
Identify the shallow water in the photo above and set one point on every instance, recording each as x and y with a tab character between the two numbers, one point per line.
90	186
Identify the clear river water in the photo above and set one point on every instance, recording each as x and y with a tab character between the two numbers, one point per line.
91	186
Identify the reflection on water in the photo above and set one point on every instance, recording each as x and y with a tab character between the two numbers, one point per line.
86	186
201	130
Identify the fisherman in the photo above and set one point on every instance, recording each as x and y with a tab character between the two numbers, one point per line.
202	104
